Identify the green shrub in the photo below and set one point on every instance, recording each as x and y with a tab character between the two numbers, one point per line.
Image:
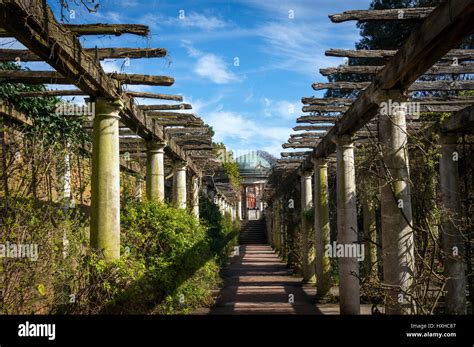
175	250
222	232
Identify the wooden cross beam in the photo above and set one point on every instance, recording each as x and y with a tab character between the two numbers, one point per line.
25	55
422	108
417	86
431	100
189	130
417	13
297	145
99	29
164	114
461	121
307	135
53	77
318	119
460	68
165	107
78	92
180	123
146	95
10	112
458	54
311	128
295	154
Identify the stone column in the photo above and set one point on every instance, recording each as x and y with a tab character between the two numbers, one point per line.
349	288
307	246
239	209
195	183
277	229
155	171
105	183
370	235
453	239
397	233
321	227
179	184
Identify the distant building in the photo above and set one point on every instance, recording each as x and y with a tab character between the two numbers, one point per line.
254	169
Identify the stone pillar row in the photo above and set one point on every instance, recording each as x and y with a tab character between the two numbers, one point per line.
105	182
396	222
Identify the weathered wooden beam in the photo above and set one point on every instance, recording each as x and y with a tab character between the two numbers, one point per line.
459	54
165	107
310	128
25	55
180	123
422	108
326	101
78	92
296	145
149	80
53	77
316	119
192	138
295	154
196	147
99	29
147	95
52	93
416	13
443	100
189	130
164	114
460	68
318	108
462	121
317	135
417	86
304	140
10	112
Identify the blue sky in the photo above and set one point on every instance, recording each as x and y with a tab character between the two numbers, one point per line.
243	64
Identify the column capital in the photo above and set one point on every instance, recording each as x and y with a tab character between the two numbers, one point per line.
106	107
345	141
320	162
396	95
180	164
155	146
306	173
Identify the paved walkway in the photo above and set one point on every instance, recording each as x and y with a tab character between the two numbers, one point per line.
256	281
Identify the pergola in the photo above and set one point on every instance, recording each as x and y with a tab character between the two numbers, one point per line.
162	136
335	126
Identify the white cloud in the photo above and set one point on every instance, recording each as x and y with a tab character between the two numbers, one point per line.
192	20
281	109
232	127
200	21
210	66
214	68
111	65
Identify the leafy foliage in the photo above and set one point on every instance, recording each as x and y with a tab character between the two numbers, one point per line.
54	128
